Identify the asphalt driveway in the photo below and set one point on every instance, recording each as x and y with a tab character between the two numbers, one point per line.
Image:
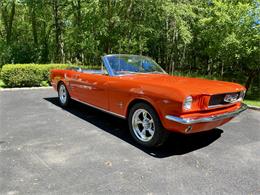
45	149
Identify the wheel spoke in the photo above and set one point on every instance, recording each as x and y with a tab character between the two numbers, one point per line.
143	134
138	121
150	121
145	115
150	131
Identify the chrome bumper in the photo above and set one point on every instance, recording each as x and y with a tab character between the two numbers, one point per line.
189	121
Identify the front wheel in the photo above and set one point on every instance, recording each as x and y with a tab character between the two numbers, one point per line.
145	126
64	96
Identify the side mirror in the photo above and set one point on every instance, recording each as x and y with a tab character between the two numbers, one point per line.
104	72
78	69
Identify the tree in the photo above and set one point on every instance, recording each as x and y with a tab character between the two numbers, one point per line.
8	18
216	38
232	34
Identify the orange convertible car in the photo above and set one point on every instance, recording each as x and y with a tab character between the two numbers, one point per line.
138	89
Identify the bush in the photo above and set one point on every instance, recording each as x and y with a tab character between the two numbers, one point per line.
28	75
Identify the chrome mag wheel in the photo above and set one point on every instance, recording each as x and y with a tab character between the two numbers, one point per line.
63	95
143	125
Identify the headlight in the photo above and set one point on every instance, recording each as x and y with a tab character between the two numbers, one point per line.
187	103
242	94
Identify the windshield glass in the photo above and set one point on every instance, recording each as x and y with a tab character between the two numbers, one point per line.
133	64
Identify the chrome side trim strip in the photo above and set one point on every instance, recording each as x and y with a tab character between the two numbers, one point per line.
188	121
109	112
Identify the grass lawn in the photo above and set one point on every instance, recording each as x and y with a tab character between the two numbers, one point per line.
252	99
252	102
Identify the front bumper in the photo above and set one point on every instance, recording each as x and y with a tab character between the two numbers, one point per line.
212	118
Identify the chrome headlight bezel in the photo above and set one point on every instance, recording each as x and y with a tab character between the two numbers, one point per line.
187	104
242	95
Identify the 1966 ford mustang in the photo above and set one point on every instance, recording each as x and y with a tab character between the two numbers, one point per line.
138	89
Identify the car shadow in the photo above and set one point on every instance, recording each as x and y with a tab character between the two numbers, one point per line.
177	144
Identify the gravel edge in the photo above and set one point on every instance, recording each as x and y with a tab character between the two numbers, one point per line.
253	107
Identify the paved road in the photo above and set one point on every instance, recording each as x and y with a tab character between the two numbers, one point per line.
47	150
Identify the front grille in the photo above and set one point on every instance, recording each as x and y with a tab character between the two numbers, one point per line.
219	99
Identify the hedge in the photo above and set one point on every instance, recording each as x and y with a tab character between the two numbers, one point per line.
28	75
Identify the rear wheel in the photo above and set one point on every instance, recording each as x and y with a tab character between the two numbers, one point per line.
145	126
64	96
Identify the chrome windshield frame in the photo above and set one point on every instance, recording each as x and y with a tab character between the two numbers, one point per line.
110	70
107	65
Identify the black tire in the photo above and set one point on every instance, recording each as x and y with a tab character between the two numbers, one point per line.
159	136
63	102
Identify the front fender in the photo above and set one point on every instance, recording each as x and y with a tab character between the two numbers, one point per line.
162	106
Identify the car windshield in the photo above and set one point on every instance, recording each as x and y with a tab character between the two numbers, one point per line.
133	64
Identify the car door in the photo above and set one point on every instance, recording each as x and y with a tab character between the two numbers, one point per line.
74	83
93	89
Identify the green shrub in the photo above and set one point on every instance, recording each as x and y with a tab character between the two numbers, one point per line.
28	75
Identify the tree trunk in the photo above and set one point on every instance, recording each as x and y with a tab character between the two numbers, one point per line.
8	20
129	9
59	52
110	26
34	23
10	24
166	57
78	29
45	43
222	69
251	77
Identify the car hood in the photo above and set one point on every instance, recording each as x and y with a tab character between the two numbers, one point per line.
185	85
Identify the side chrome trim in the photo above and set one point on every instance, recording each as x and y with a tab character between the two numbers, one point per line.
109	112
188	121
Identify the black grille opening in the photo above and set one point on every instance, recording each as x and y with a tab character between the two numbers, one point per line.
219	99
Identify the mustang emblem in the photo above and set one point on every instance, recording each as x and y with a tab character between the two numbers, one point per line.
230	98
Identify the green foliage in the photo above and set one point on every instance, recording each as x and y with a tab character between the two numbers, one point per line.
253	102
28	75
216	38
44	84
2	85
